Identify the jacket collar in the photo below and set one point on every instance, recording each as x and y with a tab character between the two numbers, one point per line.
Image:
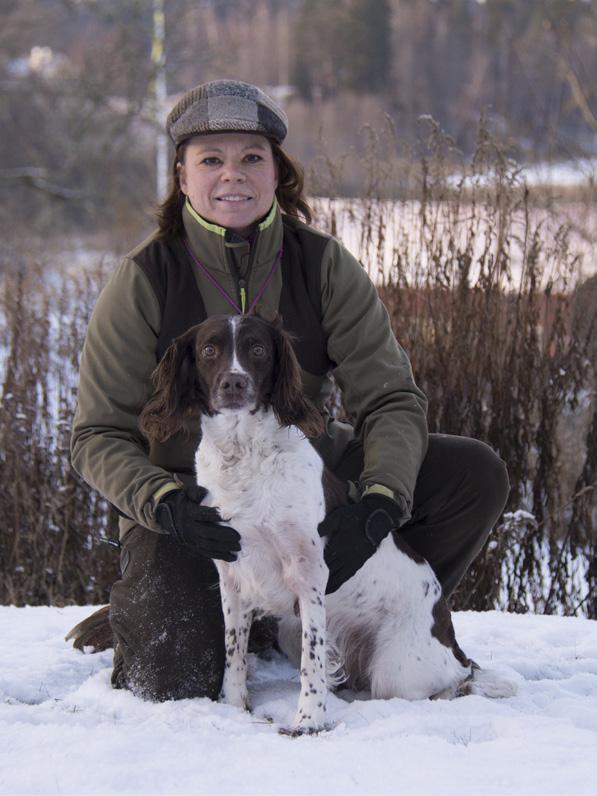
218	247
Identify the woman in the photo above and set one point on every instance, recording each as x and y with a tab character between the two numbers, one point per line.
231	239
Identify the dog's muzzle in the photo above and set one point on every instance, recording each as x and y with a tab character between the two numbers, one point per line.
234	391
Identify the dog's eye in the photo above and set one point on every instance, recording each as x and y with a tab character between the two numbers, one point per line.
208	351
258	350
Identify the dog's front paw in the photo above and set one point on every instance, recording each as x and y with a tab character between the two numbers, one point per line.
238	698
306	724
305	729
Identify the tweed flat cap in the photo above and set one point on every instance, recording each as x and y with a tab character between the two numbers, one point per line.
226	106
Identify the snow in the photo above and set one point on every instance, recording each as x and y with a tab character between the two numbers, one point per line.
383	234
582	171
64	730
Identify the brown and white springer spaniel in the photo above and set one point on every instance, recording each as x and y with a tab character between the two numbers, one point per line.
389	625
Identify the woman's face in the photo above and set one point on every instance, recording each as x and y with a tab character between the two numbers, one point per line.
229	178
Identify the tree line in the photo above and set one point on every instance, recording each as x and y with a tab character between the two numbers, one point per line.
76	84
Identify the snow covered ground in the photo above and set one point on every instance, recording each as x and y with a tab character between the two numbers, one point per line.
63	730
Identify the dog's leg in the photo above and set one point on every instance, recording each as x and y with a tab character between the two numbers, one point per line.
311	710
237	624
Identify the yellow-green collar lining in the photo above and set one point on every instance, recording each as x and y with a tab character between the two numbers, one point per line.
267	221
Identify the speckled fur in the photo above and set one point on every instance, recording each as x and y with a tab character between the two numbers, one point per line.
381	621
389	624
267	483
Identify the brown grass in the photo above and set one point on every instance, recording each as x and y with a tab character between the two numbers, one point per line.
53	524
481	283
482	292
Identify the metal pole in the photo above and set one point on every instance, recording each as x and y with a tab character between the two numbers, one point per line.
158	59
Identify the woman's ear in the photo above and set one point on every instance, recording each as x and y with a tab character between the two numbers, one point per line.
178	389
288	402
276	164
182	177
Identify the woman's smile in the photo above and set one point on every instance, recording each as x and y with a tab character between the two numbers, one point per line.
230	179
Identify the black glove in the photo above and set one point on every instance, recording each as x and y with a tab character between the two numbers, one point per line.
181	514
355	532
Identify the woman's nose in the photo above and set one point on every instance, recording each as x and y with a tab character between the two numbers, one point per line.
233	172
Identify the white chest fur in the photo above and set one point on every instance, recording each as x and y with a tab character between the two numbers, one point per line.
267	483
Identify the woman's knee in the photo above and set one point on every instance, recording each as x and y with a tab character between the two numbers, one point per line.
487	472
178	665
463	471
169	628
161	660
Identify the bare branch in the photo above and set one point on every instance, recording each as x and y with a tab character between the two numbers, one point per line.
36	177
578	94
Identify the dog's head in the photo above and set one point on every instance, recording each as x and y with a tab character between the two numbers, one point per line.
225	365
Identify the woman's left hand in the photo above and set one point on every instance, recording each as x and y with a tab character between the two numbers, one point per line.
355	532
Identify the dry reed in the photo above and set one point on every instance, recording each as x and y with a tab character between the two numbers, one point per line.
482	297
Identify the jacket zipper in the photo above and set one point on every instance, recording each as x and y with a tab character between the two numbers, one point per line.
241	282
243	295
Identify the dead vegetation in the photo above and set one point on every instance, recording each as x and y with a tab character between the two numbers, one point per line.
483	295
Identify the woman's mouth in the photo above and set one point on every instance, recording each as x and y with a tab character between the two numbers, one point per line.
233	197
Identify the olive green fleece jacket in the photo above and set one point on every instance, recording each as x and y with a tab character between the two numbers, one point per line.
119	355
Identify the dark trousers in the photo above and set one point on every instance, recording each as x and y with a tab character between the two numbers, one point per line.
165	611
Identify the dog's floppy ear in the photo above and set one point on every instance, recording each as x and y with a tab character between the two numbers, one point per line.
288	402
178	390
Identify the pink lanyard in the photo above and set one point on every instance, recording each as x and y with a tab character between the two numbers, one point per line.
222	290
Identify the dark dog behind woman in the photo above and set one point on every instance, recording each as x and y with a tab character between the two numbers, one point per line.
234	235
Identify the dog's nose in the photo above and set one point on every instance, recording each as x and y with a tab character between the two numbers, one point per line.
234	383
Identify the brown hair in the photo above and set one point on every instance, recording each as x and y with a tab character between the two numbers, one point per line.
291	180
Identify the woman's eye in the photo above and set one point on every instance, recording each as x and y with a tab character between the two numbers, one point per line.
258	350
208	350
253	158
213	161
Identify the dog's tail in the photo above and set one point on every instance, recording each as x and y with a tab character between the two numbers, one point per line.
489	683
95	632
335	673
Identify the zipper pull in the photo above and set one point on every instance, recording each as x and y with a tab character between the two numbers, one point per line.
243	295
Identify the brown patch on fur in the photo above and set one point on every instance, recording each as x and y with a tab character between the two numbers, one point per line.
177	390
443	630
290	405
405	548
94	631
